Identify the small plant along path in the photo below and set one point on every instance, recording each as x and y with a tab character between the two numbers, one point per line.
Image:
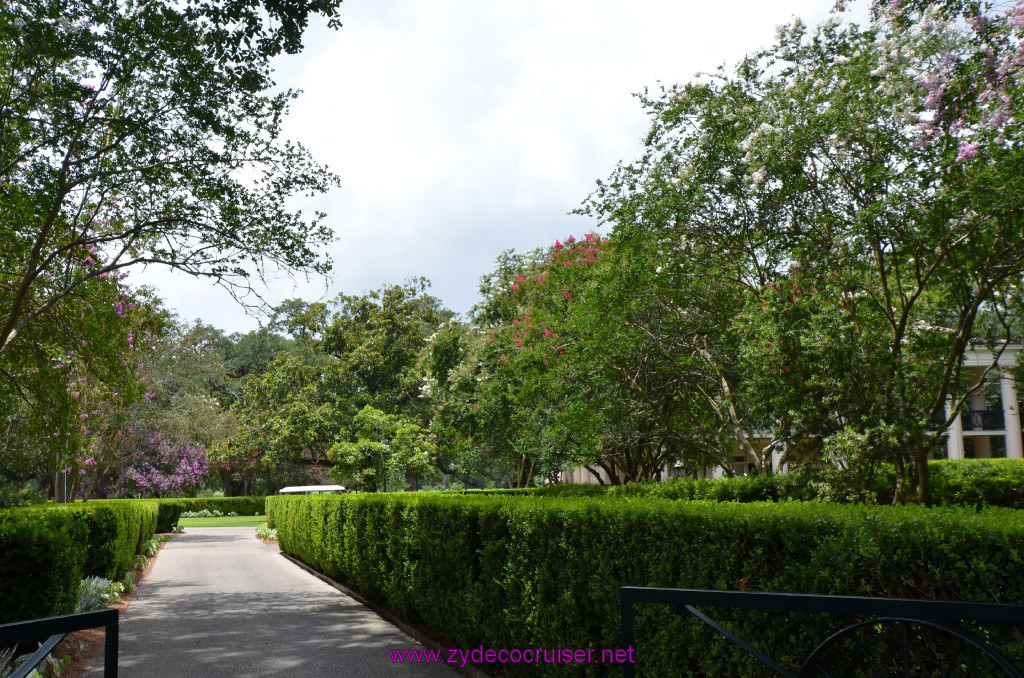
221	603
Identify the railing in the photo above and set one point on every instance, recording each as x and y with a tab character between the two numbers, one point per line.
975	420
985	420
898	615
55	629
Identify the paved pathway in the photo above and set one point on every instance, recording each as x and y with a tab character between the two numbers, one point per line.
220	603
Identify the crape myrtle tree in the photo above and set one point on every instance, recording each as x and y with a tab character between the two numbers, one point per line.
570	362
490	412
74	368
138	133
160	467
595	338
859	190
632	382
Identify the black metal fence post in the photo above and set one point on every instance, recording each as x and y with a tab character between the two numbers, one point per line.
55	629
110	650
628	669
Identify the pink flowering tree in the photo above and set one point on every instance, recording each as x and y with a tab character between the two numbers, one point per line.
566	366
160	466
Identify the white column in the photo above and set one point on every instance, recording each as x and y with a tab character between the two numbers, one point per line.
982	448
1011	415
955	441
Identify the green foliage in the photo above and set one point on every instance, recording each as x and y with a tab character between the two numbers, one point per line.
97	593
968	483
356	352
546	571
978	482
386	450
378	338
169	510
242	506
15	494
42	562
288	418
46	550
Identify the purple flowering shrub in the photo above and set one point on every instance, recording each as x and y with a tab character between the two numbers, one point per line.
161	466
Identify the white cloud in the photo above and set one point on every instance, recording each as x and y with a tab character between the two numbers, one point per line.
463	127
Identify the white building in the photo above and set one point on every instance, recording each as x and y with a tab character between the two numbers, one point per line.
988	430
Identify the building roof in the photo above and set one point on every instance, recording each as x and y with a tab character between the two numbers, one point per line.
306	489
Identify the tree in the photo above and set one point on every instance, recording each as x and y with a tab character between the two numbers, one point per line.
489	411
384	451
378	337
161	467
134	133
358	351
252	352
74	370
859	190
570	362
288	418
145	133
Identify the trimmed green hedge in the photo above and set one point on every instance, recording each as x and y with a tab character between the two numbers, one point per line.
506	572
46	550
978	482
42	559
170	511
243	506
967	482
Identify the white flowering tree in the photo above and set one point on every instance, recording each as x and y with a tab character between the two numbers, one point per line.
860	191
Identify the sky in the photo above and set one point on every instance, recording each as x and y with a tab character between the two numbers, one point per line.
461	128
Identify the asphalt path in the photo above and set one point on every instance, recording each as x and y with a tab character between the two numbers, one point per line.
219	602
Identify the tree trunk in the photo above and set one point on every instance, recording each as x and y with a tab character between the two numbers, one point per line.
923	471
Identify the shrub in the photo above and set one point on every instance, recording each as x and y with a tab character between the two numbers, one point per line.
46	550
978	482
169	512
267	533
967	483
118	528
546	571
42	559
243	506
97	593
205	513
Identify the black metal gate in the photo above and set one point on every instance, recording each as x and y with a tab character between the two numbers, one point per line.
899	619
54	629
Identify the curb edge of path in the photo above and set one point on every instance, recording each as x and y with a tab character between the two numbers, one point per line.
469	670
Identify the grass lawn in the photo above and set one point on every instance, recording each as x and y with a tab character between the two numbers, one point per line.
225	521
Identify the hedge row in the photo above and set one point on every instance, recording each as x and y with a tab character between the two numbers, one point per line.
978	482
169	511
533	572
46	550
243	506
968	482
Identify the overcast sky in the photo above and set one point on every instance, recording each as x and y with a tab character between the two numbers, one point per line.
463	127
